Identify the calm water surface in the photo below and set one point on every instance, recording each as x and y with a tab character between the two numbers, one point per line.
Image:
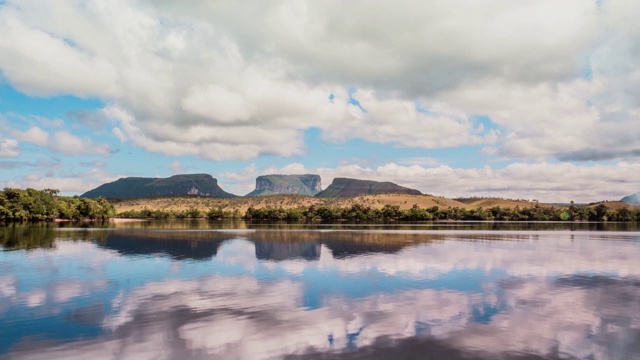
200	290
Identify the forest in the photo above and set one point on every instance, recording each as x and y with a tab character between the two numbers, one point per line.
359	212
47	205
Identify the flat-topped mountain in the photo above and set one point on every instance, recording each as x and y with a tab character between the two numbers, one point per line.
345	187
139	187
633	198
307	184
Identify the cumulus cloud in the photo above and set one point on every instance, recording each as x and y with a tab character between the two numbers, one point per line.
69	144
9	148
61	141
72	183
34	135
193	79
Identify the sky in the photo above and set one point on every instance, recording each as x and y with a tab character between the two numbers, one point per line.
518	99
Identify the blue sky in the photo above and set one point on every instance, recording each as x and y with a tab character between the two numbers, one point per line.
526	100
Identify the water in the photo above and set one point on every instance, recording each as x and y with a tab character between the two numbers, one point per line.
200	290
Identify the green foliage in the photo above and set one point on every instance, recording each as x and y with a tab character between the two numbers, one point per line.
359	212
42	205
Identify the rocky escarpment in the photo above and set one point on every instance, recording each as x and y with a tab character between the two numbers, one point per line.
345	187
633	198
139	187
307	184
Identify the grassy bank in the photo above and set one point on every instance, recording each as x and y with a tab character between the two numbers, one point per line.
390	207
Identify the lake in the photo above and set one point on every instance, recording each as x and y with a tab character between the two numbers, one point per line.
237	290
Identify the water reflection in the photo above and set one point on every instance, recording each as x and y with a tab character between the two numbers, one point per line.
176	245
132	293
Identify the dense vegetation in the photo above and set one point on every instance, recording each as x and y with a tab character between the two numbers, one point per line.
359	212
43	205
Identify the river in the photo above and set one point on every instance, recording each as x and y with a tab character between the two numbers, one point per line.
236	290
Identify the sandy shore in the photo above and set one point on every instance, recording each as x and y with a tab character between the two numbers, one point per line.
112	220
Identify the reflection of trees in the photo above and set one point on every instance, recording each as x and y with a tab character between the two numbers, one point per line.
27	236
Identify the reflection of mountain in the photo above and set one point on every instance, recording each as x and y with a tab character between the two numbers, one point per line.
342	249
178	246
281	245
287	250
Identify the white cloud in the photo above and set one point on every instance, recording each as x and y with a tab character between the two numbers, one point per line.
69	144
75	183
61	141
9	148
38	63
559	79
34	135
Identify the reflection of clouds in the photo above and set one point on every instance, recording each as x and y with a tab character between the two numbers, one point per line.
63	291
545	318
241	318
245	319
539	254
35	298
238	252
7	286
82	255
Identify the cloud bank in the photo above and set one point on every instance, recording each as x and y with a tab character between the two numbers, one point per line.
219	82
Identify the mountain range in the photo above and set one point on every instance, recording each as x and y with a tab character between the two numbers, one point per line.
206	185
139	187
304	184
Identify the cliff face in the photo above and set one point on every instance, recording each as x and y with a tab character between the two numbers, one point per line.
138	187
307	184
345	187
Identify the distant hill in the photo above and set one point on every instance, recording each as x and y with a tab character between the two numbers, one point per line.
139	187
307	184
345	187
633	198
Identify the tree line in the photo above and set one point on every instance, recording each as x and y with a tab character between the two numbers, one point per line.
45	205
359	212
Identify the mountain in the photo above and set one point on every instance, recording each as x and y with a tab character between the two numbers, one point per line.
307	184
344	187
139	187
633	198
